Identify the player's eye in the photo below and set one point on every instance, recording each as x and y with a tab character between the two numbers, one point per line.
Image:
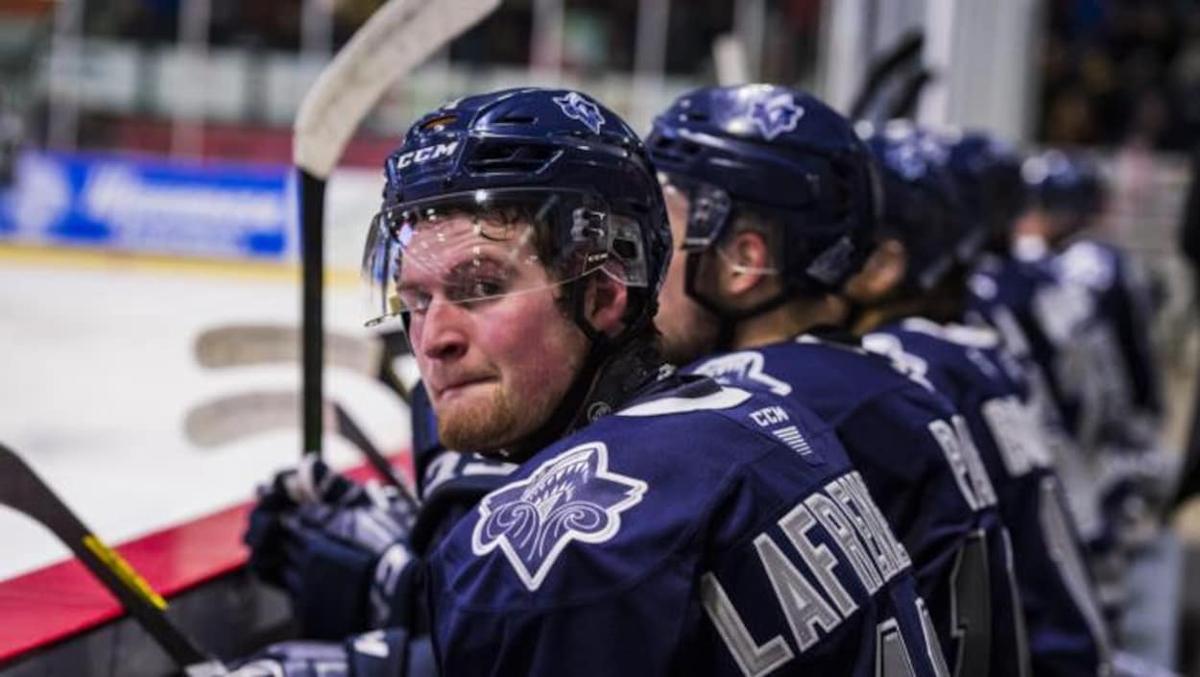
415	300
480	280
475	289
484	288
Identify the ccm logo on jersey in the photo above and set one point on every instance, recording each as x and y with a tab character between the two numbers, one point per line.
423	155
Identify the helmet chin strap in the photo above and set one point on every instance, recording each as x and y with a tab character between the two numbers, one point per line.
611	374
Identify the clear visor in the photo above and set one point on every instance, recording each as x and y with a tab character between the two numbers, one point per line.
478	247
708	209
708	213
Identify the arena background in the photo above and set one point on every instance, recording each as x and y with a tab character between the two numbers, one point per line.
146	195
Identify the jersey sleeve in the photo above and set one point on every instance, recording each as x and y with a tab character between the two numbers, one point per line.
1067	632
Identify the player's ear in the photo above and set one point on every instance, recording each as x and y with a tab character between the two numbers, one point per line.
746	260
605	303
883	272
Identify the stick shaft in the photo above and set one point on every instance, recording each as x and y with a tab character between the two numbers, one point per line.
23	490
905	52
349	429
312	211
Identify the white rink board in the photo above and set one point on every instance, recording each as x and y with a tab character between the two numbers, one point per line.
97	375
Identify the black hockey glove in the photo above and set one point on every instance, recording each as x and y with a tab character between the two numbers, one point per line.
340	549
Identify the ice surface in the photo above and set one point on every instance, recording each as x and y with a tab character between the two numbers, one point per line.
97	375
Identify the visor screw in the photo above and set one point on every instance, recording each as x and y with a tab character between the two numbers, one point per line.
598	409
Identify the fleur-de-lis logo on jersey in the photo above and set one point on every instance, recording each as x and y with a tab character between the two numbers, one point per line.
571	497
576	107
775	114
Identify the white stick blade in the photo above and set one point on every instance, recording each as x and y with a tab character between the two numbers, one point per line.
397	38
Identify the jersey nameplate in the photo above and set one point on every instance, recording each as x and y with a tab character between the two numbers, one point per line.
837	534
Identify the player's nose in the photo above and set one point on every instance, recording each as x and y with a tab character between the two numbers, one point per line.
445	331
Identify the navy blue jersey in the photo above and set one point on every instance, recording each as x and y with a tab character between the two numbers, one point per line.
699	531
1074	319
1083	321
1009	295
1003	294
921	466
1116	382
988	386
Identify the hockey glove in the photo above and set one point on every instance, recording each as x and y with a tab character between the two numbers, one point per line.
375	654
337	547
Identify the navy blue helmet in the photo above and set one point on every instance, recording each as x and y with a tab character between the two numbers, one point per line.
560	178
987	172
921	204
779	153
1059	182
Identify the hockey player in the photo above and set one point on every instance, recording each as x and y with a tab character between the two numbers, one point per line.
773	199
912	300
1013	289
657	523
1083	314
1092	326
1120	404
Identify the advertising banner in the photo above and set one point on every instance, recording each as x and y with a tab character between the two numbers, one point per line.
151	205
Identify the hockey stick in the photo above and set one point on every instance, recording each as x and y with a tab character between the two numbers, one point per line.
348	428
24	491
906	50
246	345
249	345
910	94
233	417
729	56
229	418
400	35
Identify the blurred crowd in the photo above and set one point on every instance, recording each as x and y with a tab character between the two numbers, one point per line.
1118	71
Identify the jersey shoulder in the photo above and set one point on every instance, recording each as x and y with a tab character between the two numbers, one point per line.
1090	263
833	378
636	491
957	358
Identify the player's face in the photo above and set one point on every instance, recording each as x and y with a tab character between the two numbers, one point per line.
689	331
495	365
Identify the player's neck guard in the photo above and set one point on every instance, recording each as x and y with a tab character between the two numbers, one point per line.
613	373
